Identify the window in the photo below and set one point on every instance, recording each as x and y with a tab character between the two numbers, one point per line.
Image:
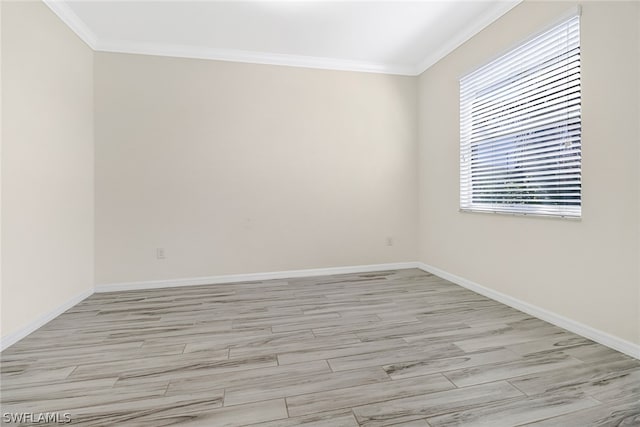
520	129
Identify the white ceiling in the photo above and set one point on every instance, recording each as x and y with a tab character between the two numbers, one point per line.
397	37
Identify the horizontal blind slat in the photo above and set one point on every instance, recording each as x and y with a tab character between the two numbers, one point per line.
538	146
563	71
520	128
568	93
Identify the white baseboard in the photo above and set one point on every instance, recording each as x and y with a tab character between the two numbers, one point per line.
234	278
10	339
589	332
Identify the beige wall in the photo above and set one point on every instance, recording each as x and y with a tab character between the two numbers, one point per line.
241	168
47	164
238	168
586	270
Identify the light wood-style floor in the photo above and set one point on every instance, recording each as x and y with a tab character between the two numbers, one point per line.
401	348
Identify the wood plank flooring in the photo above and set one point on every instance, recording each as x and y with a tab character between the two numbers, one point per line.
402	348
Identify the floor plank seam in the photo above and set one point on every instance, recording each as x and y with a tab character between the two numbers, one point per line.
387	348
510	381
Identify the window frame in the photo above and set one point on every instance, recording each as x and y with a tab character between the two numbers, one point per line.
466	189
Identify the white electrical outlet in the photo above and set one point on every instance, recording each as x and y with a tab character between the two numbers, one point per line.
160	253
389	241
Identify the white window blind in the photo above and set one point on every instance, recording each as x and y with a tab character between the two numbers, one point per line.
520	129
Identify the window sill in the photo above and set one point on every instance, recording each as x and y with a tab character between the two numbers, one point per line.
532	214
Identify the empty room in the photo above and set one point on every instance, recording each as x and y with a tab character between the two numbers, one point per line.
320	213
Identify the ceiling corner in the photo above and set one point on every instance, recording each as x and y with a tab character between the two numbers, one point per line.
64	12
481	23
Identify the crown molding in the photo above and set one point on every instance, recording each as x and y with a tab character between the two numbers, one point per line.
480	24
233	55
68	16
